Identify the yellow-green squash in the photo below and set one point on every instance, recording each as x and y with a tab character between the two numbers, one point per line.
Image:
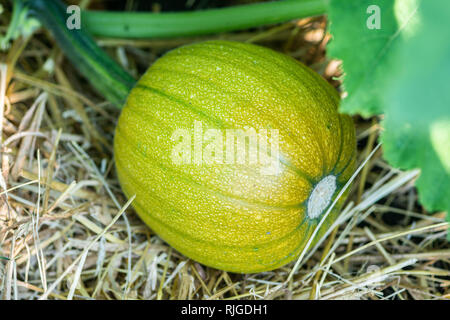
236	216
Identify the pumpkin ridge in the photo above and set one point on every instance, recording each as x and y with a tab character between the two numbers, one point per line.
325	86
282	159
237	46
261	245
341	140
349	161
293	251
294	168
149	117
214	84
212	190
257	76
345	126
159	92
225	265
285	161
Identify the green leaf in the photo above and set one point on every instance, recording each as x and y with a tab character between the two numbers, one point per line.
417	106
401	70
366	52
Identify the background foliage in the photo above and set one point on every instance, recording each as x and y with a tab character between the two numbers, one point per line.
401	71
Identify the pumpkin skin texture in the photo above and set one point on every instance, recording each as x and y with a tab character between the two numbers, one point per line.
232	216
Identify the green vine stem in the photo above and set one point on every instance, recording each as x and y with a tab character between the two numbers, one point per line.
105	75
179	24
109	78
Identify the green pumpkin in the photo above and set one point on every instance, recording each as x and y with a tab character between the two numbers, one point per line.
236	217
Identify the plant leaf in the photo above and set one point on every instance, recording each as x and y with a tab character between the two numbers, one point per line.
367	53
401	70
417	106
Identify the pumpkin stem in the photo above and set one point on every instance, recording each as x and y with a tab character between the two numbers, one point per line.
104	74
146	25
